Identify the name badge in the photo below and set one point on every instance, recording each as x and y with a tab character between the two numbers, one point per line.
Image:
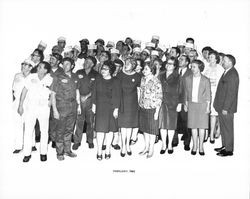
64	81
92	79
133	80
80	76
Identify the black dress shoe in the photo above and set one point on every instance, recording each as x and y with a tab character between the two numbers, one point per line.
91	145
193	152
103	147
219	149
170	151
123	154
186	147
116	146
162	151
129	152
202	153
53	145
26	158
34	148
224	153
99	157
43	158
17	151
212	141
107	156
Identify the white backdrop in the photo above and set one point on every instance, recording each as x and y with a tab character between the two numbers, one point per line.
221	24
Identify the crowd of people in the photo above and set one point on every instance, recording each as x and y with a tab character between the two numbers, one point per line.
115	91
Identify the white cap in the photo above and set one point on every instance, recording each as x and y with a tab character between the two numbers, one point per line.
189	45
92	46
146	50
154	52
61	39
68	49
155	37
42	43
137	42
150	44
29	61
137	49
111	43
105	48
77	48
162	47
114	51
180	43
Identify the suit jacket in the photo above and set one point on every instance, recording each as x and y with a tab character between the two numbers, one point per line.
204	93
182	84
226	96
170	89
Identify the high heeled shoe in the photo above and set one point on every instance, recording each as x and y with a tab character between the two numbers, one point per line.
202	153
99	157
107	156
193	152
162	151
129	153
170	151
123	154
212	141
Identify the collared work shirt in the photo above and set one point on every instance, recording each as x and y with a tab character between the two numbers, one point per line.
86	81
65	88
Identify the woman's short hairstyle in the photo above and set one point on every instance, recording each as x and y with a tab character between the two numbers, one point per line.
110	65
132	61
200	64
216	54
151	66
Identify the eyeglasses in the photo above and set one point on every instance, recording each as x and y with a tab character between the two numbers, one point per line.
34	55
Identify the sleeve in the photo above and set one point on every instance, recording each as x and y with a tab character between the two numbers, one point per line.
54	85
116	93
185	90
232	91
208	90
93	91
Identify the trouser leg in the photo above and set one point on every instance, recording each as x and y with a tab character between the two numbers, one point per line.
60	129
30	120
227	131
79	127
70	123
52	126
18	127
44	127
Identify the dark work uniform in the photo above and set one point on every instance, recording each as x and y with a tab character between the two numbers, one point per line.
65	89
106	96
86	82
182	115
52	120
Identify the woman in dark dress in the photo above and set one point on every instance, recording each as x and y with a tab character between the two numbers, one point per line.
105	104
128	113
168	113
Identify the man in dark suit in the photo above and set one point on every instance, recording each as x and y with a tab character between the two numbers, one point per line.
225	103
183	71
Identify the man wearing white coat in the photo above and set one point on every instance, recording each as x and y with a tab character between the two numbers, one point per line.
35	104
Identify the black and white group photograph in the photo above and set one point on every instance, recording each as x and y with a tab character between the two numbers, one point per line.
125	99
